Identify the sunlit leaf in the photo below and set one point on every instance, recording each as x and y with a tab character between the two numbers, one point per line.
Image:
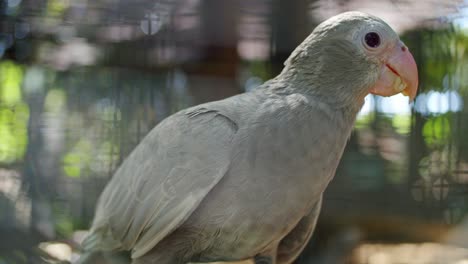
364	121
13	132
402	123
64	225
260	69
437	130
55	100
77	159
57	7
11	76
72	164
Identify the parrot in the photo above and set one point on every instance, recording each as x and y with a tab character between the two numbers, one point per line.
243	178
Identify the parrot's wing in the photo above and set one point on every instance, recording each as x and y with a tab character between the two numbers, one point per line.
163	181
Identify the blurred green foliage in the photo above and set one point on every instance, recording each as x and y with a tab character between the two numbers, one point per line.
55	100
402	123
443	59
56	8
437	131
14	113
78	158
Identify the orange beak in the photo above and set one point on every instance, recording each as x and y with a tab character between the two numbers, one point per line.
399	74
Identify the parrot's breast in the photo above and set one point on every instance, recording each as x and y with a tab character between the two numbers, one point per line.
279	170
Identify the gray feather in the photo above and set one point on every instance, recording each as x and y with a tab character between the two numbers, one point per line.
242	177
161	182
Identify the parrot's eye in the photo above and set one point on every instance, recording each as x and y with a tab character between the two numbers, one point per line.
372	39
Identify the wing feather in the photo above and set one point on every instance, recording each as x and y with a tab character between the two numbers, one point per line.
162	182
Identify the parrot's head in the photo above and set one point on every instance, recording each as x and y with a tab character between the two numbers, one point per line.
353	54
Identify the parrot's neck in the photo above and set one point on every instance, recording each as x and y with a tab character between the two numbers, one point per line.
293	81
331	71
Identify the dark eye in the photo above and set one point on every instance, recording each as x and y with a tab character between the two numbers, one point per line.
372	39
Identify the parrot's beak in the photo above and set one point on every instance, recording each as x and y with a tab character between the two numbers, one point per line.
399	74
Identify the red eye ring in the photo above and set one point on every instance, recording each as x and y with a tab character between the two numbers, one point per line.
372	39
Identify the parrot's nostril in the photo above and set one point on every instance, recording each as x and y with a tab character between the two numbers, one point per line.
403	48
